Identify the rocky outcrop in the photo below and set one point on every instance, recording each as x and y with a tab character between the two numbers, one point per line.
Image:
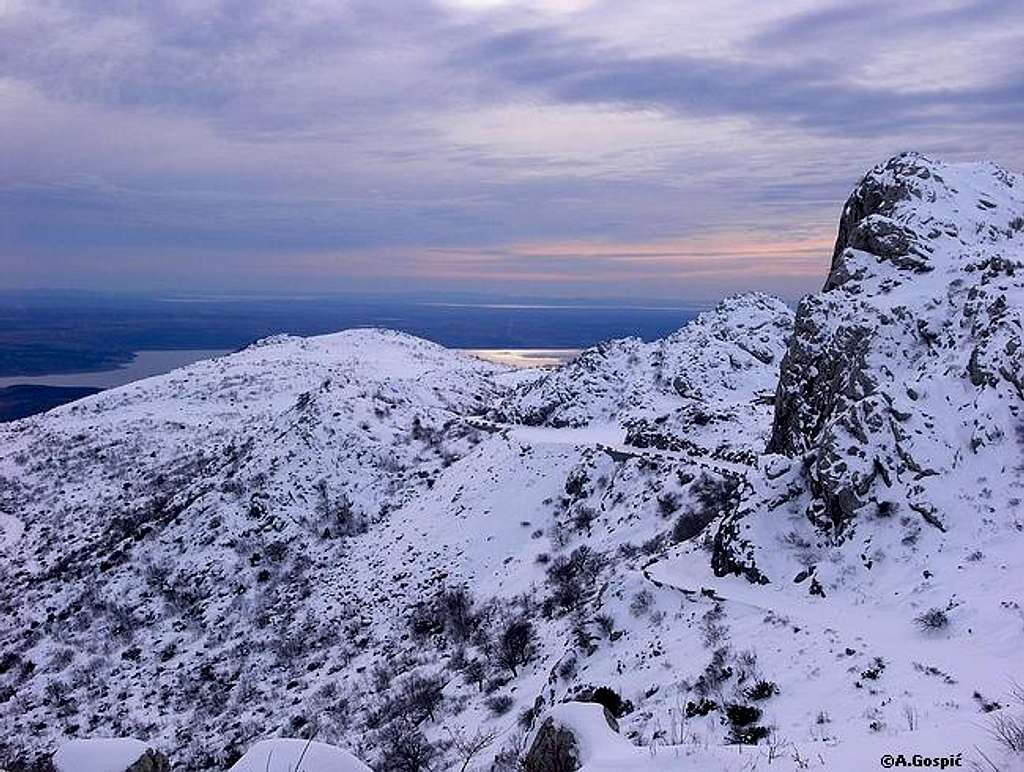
555	746
913	345
554	750
109	754
870	220
151	761
878	327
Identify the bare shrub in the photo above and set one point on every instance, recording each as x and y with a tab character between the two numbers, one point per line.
641	603
516	645
456	607
712	630
468	747
403	748
910	715
606	624
1008	731
573	578
932	619
499	704
511	757
762	690
421	696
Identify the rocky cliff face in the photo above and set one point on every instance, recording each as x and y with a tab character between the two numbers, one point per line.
905	372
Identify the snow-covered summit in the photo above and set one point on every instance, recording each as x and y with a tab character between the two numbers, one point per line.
913	215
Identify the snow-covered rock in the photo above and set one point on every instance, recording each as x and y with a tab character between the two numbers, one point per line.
284	755
901	390
109	754
573	734
885	521
915	341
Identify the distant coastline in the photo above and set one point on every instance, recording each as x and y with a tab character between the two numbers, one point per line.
525	357
25	395
144	363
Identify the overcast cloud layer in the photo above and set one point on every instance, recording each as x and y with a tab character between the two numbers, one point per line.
650	149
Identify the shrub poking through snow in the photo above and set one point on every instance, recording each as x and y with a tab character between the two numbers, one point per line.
932	619
456	609
743	725
641	603
1008	731
517	645
609	698
573	578
701	707
403	748
475	672
423	622
986	705
712	627
421	696
742	715
762	690
747	735
715	673
500	704
875	671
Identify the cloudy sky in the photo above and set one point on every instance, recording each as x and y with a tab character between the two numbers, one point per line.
548	148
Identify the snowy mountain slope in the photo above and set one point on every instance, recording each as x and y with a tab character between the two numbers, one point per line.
418	557
683	392
158	526
243	546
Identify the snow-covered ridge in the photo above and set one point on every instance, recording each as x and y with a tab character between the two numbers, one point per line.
684	391
422	560
707	361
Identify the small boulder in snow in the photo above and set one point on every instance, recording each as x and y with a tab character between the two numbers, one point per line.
109	754
571	734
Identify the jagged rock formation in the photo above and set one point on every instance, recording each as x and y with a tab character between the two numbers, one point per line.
904	373
554	750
